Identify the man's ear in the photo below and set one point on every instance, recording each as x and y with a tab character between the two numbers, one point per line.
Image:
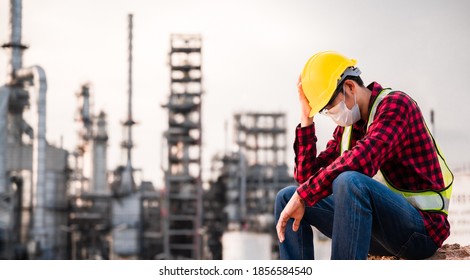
350	85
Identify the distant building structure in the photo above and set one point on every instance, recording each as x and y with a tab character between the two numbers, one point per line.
245	185
459	208
183	182
56	204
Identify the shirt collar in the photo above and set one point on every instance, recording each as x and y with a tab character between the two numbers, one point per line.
375	89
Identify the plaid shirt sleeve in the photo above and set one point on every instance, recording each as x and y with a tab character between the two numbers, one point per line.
378	145
305	148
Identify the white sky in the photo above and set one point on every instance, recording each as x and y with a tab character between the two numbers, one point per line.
253	52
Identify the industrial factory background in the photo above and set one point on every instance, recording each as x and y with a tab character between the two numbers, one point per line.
68	204
61	203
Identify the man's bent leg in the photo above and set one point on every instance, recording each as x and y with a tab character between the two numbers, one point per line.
366	208
299	245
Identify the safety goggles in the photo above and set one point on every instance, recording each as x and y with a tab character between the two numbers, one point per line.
351	71
324	111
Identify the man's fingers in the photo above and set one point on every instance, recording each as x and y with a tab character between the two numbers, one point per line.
281	227
296	225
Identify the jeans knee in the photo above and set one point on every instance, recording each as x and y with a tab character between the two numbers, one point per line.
346	182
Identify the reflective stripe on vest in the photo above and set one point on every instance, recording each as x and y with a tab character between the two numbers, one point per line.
431	200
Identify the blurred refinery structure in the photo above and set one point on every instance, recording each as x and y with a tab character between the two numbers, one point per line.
33	174
239	204
60	204
459	208
183	183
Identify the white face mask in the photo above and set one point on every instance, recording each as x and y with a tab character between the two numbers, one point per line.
343	116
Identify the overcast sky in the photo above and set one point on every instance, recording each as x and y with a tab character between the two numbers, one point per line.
253	52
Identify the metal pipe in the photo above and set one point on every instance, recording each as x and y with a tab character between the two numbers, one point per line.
37	77
15	47
4	97
127	179
100	141
130	121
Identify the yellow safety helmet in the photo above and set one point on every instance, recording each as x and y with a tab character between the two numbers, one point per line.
321	75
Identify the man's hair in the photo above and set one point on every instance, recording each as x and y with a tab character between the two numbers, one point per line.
357	79
339	88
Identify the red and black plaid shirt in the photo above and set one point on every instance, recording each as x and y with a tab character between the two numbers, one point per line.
397	142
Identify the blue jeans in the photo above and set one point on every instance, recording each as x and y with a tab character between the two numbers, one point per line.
362	216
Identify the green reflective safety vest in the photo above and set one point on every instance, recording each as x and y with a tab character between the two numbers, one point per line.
426	200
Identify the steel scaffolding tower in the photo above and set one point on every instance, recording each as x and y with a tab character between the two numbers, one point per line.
183	173
242	192
261	138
